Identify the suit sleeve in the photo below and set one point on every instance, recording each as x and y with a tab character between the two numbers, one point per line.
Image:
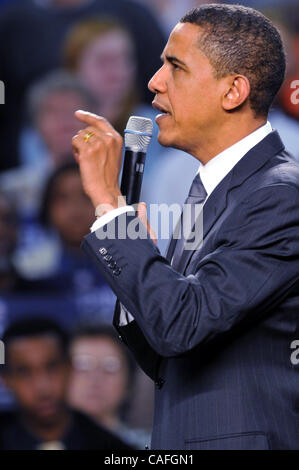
254	264
133	337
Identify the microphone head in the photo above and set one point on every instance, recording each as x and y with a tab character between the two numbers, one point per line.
138	133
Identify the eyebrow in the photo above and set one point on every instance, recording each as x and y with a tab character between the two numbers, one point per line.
172	59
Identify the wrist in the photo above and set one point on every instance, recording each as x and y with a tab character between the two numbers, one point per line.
107	204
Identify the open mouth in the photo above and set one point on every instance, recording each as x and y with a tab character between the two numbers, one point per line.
160	108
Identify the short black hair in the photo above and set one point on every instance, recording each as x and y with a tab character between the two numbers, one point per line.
35	327
238	39
69	166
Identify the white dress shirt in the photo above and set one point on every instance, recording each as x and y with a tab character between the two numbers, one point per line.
212	173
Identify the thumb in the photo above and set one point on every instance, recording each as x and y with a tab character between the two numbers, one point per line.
142	214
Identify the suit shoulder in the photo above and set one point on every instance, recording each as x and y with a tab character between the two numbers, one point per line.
283	169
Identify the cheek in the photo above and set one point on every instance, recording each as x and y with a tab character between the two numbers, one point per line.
58	215
47	126
60	383
126	76
115	390
24	393
182	99
85	210
90	76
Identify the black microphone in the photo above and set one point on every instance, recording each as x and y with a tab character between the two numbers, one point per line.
138	134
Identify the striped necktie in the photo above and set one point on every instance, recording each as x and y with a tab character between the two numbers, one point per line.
197	195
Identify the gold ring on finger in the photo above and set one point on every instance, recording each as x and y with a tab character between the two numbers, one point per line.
87	136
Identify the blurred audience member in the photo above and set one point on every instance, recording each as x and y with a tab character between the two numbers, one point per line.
102	380
65	206
46	143
37	372
102	54
31	36
51	104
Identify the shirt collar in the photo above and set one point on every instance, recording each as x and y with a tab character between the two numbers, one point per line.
218	167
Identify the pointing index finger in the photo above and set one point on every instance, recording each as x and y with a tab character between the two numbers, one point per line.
93	120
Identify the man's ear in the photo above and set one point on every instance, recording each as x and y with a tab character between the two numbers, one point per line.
237	92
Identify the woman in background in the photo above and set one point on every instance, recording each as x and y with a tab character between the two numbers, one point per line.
101	53
103	381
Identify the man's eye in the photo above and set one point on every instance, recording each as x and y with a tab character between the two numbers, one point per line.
175	66
22	372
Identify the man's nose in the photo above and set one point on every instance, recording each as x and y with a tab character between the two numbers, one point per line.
157	83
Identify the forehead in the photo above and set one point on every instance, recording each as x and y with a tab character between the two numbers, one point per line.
184	40
58	98
115	38
34	350
96	346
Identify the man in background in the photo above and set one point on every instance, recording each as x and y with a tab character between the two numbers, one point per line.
37	371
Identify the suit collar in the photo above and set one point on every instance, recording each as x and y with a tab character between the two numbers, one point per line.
213	172
217	202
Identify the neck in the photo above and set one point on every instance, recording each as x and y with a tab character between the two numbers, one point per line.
108	420
228	134
49	431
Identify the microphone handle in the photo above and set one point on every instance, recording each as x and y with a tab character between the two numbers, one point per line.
132	176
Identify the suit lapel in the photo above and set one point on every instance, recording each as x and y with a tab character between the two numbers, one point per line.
170	249
217	201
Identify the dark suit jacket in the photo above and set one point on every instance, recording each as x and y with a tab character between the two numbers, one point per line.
216	336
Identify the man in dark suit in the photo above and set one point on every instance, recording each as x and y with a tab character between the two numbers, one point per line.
213	326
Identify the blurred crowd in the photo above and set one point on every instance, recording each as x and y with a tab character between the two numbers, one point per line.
68	382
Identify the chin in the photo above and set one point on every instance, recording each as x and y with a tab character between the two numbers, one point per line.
165	140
